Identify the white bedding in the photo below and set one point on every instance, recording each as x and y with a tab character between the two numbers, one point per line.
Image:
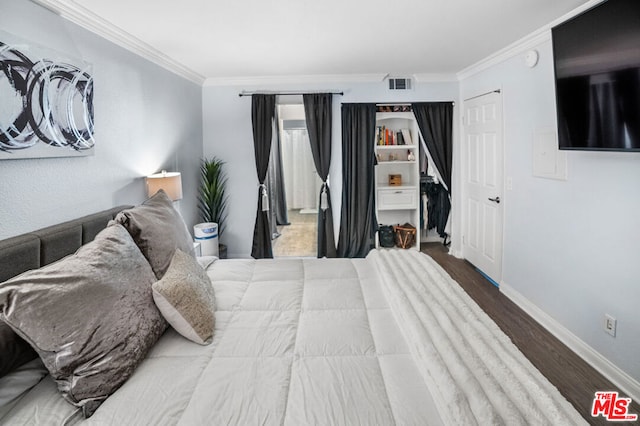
476	374
298	342
315	342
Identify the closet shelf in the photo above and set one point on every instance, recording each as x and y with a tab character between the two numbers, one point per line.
389	147
396	162
397	204
398	187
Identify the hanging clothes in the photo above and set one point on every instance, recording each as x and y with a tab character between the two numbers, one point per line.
424	212
424	199
438	208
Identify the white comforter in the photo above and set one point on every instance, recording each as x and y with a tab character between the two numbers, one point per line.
475	373
315	342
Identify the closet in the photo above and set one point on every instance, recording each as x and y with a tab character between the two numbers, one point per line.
408	188
397	177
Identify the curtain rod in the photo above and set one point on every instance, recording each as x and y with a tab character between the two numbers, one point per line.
477	96
246	93
409	103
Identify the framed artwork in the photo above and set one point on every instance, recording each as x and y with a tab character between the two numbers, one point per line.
46	102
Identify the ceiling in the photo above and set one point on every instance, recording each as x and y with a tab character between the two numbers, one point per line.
257	38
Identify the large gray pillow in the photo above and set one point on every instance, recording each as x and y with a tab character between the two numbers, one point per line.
90	316
158	230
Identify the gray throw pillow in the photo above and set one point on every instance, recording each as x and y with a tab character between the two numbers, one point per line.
158	230
90	316
186	299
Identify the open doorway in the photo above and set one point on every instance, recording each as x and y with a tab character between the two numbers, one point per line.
301	185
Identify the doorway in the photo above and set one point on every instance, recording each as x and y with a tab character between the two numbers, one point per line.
301	185
483	184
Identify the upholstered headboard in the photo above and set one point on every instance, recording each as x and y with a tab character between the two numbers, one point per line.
44	246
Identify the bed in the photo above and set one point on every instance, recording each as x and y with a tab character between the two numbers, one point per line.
389	339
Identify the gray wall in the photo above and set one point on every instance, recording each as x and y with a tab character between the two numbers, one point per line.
228	135
146	119
570	247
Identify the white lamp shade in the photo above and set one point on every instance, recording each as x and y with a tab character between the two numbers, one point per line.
170	182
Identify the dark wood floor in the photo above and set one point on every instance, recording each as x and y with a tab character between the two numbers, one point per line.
573	377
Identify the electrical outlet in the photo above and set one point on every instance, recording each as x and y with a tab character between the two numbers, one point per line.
610	324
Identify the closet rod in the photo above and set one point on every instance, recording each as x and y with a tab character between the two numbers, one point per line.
293	92
477	96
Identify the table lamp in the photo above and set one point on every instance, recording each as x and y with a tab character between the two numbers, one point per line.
170	182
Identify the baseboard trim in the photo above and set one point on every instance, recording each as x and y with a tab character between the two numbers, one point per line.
605	367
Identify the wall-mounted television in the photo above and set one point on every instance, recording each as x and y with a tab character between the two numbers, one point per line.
597	74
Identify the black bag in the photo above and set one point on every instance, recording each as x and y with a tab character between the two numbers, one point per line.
386	236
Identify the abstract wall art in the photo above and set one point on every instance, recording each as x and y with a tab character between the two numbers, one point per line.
46	102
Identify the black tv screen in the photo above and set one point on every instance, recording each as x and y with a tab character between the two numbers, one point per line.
597	74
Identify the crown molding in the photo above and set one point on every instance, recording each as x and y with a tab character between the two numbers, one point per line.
72	11
295	79
435	78
322	79
528	42
514	49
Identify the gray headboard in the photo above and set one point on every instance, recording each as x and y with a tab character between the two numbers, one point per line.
44	246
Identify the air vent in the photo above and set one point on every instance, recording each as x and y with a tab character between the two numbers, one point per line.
399	84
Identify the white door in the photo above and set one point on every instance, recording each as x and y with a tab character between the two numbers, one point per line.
484	204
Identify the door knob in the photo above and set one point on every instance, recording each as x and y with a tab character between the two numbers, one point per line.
495	200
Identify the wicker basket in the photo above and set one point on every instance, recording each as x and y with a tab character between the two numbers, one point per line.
405	235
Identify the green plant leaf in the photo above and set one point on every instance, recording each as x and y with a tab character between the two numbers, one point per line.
212	199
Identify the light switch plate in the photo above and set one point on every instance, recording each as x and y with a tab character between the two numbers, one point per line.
610	324
548	161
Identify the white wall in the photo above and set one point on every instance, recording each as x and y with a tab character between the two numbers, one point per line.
146	118
228	135
570	247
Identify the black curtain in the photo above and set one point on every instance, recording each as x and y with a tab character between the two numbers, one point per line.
263	109
318	114
435	120
275	184
358	223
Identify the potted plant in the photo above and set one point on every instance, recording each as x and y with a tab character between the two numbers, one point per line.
212	200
